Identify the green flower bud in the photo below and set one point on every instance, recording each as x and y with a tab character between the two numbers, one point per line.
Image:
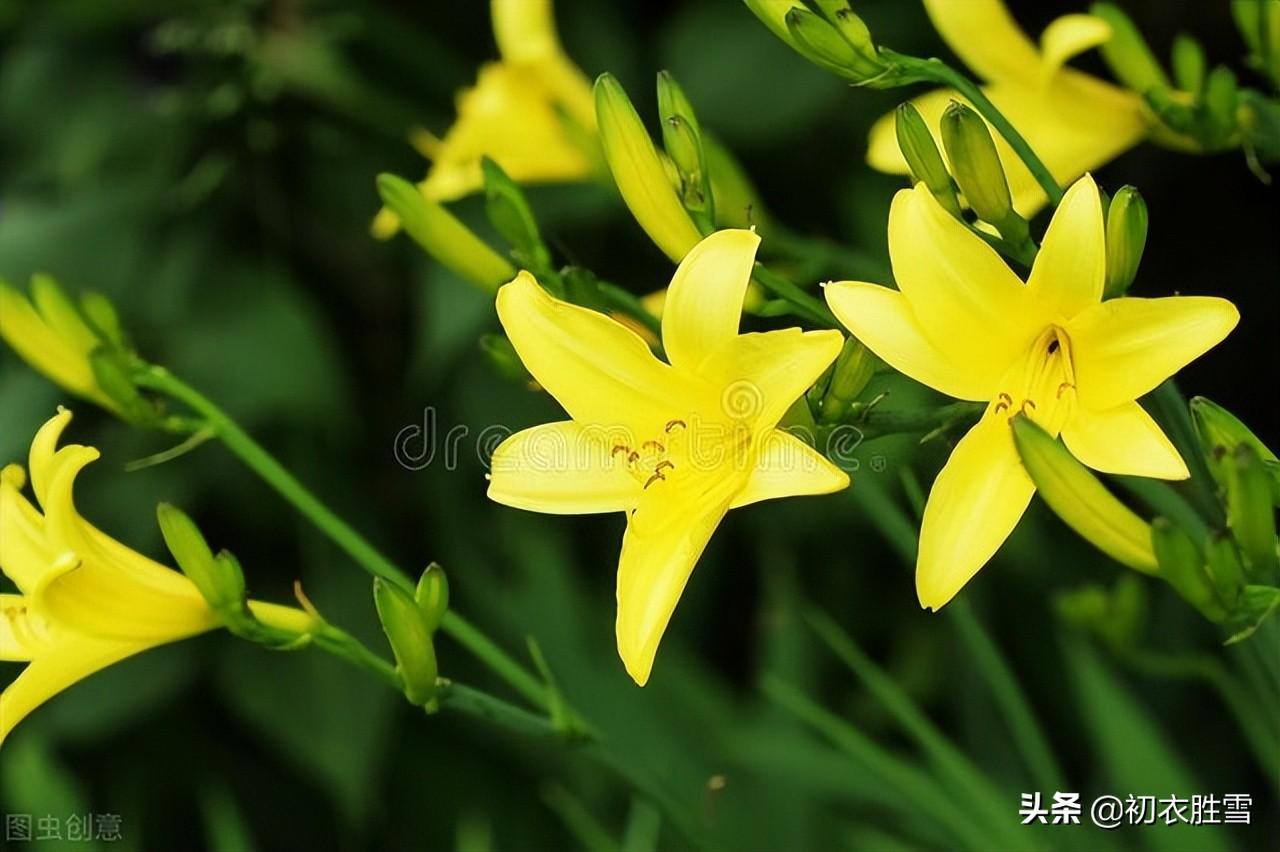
111	373
1126	239
1181	564
1188	63
432	595
442	236
673	103
852	27
975	164
1225	567
822	43
1127	52
1083	502
853	369
102	316
220	581
1220	433
1259	24
1220	95
923	157
737	204
406	629
1251	513
509	213
639	172
773	14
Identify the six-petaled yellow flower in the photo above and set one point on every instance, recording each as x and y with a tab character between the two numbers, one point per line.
533	113
675	445
965	324
85	601
1074	121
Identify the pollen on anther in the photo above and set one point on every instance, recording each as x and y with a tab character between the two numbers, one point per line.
654	444
671	424
1064	387
657	474
616	447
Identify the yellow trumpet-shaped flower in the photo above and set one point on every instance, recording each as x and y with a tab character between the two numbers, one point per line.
1051	349
673	445
1074	121
49	333
532	113
85	601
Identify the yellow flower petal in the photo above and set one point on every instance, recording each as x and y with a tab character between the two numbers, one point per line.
761	374
565	469
704	302
1123	440
1070	36
973	506
788	467
41	459
510	117
985	37
524	29
20	637
72	659
25	555
665	537
882	319
968	302
107	589
1071	268
599	370
1123	348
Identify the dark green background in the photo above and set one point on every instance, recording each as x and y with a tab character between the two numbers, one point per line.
210	167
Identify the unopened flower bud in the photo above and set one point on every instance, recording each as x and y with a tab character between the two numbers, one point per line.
1183	567
976	164
1188	63
406	629
923	157
1220	433
432	595
853	369
682	146
220	581
1127	52
1126	239
102	316
509	213
821	42
442	236
1225	568
1251	513
1220	96
1259	24
639	174
1084	503
672	102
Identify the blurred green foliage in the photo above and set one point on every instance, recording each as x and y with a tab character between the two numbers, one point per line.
209	165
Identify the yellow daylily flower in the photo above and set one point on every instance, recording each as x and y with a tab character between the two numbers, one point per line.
1074	121
675	445
532	113
85	601
964	324
48	332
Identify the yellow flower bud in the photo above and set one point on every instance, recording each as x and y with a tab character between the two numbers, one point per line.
639	174
443	236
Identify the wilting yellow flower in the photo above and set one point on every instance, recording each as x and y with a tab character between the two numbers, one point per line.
1074	121
49	333
532	113
85	600
965	324
674	445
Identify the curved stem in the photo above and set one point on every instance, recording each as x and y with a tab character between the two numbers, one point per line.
805	305
339	531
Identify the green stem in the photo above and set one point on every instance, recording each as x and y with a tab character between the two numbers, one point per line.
631	305
874	423
804	304
339	531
